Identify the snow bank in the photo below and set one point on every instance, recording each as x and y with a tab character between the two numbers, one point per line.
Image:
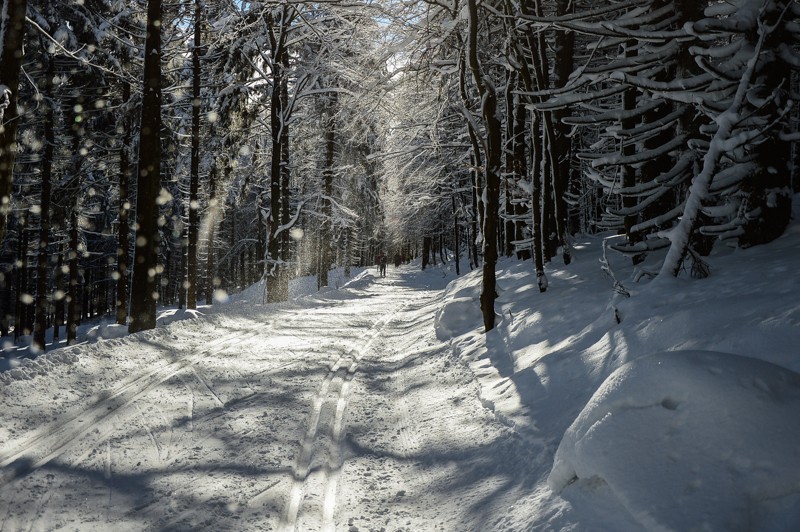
456	317
460	312
298	287
27	369
692	440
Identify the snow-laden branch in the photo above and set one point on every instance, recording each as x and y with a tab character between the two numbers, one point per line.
699	190
568	100
69	53
290	223
614	114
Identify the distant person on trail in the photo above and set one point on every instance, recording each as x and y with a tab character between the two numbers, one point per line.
383	265
397	260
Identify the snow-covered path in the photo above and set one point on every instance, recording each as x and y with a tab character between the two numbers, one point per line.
340	411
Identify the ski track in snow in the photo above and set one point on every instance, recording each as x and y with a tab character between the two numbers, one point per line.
333	393
43	447
325	414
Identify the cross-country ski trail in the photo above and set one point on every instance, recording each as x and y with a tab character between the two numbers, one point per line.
339	411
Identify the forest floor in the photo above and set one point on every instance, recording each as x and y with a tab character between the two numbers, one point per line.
382	405
340	410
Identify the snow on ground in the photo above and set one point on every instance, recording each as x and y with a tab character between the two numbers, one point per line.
710	444
381	405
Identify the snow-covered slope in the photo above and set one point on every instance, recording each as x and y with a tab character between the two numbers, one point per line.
638	428
383	405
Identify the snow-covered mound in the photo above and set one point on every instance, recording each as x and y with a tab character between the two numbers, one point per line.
106	331
692	437
169	316
457	316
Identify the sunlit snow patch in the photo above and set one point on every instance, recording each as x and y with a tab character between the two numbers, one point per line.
106	331
692	439
172	315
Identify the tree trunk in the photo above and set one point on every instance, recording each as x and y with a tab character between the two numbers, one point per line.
455	234
491	172
627	172
211	278
285	241
183	270
5	303
277	122
144	292
21	278
536	202
123	257
273	242
520	169
477	208
327	190
510	175
562	144
72	293
60	297
43	258
680	234
194	171
12	29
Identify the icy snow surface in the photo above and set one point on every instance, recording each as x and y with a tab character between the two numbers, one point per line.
380	404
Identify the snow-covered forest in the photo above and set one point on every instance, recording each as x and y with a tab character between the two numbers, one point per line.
252	140
587	209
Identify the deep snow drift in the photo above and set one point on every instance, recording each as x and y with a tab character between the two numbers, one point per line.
381	405
713	436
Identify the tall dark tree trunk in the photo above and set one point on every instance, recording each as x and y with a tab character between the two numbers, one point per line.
477	208
144	291
233	259
21	280
627	172
285	273
58	305
72	291
426	251
491	172
531	79
520	168
455	234
327	190
5	303
43	258
194	178
273	242
123	242
211	277
275	292
562	68
183	275
539	242
12	29
510	175
262	228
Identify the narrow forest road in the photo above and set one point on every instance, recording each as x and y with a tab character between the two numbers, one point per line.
340	411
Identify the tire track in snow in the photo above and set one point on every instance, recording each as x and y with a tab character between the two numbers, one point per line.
332	471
